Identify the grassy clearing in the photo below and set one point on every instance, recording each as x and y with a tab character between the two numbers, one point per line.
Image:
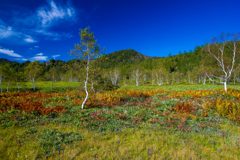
45	86
180	87
130	123
63	86
143	143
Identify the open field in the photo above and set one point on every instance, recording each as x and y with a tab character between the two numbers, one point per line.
46	86
41	86
146	122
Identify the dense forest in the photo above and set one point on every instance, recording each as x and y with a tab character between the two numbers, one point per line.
125	67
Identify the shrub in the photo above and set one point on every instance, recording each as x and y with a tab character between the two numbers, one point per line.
184	107
52	140
104	84
230	109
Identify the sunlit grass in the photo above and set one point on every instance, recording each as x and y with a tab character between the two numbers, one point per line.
127	130
48	85
179	87
145	143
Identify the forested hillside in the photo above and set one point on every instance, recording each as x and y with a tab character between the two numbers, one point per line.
121	68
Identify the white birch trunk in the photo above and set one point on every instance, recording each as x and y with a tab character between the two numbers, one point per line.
114	77
137	82
227	70
204	80
8	86
86	83
137	77
33	84
225	86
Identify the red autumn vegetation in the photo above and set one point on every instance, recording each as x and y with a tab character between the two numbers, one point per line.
184	107
28	102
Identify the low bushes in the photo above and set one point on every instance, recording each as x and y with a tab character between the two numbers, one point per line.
52	140
228	108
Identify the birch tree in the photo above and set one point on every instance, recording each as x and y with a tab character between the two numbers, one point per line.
114	76
53	74
136	75
86	50
159	75
224	51
72	74
33	70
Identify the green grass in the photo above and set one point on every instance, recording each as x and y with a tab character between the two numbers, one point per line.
144	143
180	87
60	85
43	86
128	131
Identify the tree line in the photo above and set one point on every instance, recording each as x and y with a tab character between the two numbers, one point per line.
216	62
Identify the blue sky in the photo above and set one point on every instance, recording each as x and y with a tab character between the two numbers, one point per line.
46	29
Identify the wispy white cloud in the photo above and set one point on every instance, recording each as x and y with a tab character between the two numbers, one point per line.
39	57
39	54
29	39
21	59
9	33
24	59
48	15
48	34
56	55
6	31
10	53
37	25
